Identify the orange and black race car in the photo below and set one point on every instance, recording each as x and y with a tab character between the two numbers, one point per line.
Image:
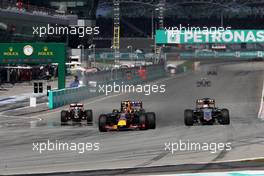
130	116
206	113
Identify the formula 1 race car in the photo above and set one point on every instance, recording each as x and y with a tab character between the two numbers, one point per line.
76	113
212	72
131	116
204	82
206	113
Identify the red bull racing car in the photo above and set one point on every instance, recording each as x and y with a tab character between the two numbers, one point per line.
76	113
130	116
206	113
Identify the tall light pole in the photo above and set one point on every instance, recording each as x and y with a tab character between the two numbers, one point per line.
113	54
222	18
131	50
152	24
153	28
161	6
93	47
116	39
82	52
112	49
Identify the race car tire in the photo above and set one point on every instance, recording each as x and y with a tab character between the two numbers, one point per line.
102	123
89	116
225	117
143	122
151	120
64	115
188	117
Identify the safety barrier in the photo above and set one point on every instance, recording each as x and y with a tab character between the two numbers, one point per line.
220	54
123	56
65	96
138	75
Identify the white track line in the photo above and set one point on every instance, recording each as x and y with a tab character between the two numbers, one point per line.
25	107
21	117
260	113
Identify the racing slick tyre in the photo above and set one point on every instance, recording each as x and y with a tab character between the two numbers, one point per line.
89	116
188	117
102	123
151	120
64	115
143	122
225	117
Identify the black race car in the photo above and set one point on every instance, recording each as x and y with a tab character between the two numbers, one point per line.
203	82
212	72
206	113
76	113
130	116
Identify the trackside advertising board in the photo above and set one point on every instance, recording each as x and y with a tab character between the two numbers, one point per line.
199	37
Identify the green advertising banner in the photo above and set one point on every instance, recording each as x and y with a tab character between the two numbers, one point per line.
32	52
35	53
200	37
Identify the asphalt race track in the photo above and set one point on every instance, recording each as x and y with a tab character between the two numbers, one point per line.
237	86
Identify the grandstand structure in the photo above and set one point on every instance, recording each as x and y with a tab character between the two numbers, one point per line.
127	27
15	26
140	18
